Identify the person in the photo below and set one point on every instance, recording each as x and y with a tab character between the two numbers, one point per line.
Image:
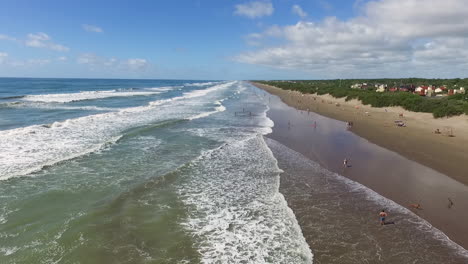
345	163
382	215
450	204
415	206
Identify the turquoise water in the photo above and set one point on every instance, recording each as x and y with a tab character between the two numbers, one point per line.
140	171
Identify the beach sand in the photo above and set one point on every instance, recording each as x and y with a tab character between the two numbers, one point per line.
389	173
417	141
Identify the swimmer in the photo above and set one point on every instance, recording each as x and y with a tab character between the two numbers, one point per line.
382	215
415	206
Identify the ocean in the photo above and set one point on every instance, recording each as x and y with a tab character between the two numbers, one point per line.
140	171
179	171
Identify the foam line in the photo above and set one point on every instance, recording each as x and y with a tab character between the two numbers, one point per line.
81	96
28	149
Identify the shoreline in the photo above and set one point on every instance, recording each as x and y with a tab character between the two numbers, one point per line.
417	141
387	172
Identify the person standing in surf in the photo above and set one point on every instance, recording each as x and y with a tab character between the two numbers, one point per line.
382	215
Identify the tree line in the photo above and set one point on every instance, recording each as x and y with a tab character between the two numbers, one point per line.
440	106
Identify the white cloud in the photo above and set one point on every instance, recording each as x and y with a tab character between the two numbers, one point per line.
62	58
3	57
42	40
94	62
136	64
6	37
40	62
97	62
92	28
327	6
296	9
418	33
28	63
11	62
254	9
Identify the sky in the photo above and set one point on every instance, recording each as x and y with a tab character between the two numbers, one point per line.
234	40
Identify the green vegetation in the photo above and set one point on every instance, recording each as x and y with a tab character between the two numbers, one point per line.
440	106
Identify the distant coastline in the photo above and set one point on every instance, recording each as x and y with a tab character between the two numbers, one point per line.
416	140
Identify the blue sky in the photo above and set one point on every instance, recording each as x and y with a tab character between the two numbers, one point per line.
215	39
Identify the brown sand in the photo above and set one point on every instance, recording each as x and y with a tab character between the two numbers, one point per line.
417	141
388	173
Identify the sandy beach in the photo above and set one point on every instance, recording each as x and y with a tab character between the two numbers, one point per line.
417	141
389	173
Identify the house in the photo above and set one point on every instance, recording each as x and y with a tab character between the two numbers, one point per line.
380	89
421	90
459	91
429	92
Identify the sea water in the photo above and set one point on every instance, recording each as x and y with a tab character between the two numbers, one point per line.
140	171
179	171
339	220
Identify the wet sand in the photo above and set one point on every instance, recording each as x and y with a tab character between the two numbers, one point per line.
386	172
417	141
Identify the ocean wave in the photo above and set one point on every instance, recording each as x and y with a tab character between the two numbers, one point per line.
236	213
192	94
163	88
12	97
219	108
82	96
200	84
28	149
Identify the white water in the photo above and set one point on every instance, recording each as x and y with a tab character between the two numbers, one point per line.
81	96
236	211
28	149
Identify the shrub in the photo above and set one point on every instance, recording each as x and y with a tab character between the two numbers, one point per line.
439	107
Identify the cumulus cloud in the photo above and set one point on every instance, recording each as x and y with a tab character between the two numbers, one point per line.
42	40
254	9
92	28
97	62
417	33
296	9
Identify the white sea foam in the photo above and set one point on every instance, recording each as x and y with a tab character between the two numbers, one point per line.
202	84
163	88
217	109
90	95
28	149
193	94
8	250
236	212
